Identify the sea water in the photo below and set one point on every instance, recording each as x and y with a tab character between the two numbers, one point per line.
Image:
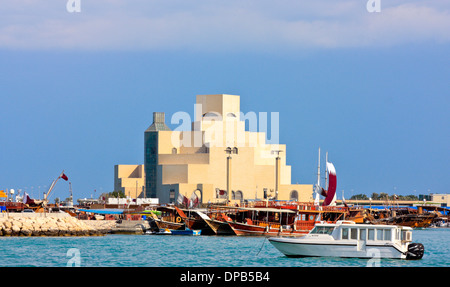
193	251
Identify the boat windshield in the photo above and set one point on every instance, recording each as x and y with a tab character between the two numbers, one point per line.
322	230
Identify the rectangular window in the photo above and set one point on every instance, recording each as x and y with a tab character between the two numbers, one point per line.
322	230
379	234
344	233
387	234
371	234
362	234
354	233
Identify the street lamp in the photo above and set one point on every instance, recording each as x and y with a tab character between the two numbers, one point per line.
277	171
229	151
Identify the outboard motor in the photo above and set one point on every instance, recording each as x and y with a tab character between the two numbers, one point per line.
415	251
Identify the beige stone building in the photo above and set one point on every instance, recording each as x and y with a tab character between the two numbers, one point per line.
215	158
443	199
130	179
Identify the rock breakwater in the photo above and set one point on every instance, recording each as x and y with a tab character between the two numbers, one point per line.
51	226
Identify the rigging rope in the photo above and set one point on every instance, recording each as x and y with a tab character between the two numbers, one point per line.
262	246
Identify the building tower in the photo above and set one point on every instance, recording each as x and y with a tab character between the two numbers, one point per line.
151	153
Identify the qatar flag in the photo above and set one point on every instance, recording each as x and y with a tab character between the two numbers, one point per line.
26	199
63	176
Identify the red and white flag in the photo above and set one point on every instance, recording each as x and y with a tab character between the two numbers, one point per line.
63	176
26	199
194	201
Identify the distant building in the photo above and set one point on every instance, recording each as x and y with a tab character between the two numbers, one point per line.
443	199
130	179
215	160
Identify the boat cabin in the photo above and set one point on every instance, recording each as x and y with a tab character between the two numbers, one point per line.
348	230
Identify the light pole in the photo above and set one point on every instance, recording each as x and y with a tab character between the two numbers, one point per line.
277	171
229	151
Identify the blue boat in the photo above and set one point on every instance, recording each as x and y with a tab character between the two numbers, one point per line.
186	232
177	232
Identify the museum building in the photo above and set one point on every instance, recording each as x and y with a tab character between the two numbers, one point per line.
215	160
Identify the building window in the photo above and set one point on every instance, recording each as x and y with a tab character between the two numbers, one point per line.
237	195
294	195
174	150
212	115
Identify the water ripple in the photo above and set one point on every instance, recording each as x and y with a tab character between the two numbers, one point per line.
192	251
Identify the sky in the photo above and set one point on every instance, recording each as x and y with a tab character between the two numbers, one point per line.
78	89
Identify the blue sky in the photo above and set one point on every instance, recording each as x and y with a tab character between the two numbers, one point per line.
77	90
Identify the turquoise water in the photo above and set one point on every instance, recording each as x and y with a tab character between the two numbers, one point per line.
190	251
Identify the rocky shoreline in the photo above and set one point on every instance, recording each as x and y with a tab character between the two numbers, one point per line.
49	225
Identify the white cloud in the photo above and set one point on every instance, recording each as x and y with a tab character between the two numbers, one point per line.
210	25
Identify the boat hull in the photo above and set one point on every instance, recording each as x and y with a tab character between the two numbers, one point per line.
304	248
220	227
169	225
243	229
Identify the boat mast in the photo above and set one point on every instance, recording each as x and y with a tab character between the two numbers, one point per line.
326	171
318	170
317	189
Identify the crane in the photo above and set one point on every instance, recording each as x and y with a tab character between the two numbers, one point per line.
46	195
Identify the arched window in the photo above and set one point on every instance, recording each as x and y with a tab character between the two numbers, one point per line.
174	150
238	195
212	115
293	195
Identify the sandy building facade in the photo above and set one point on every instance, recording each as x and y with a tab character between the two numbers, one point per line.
216	159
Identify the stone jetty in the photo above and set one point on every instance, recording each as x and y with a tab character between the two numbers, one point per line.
60	224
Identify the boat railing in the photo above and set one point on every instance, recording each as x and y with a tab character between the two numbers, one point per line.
264	223
299	225
305	225
291	205
334	208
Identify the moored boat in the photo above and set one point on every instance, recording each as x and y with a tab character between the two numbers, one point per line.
347	239
167	231
197	220
218	222
280	218
168	218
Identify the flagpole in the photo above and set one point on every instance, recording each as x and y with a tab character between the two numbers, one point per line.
51	188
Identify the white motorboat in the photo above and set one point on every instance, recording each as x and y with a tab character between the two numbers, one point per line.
347	239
